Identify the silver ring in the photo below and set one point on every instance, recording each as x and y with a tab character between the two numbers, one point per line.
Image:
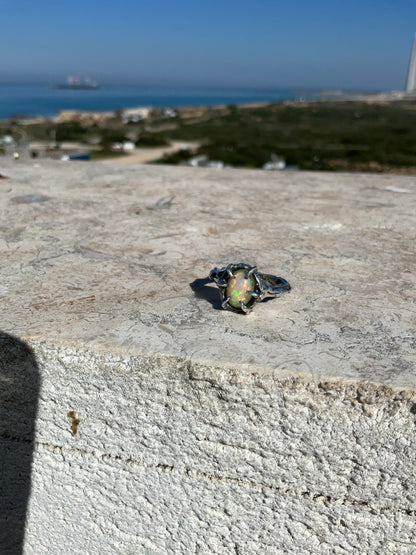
242	286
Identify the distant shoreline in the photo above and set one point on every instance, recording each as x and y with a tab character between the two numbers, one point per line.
41	101
334	96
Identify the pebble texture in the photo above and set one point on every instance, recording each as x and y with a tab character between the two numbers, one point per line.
290	430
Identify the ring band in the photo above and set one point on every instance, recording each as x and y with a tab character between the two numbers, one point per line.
242	286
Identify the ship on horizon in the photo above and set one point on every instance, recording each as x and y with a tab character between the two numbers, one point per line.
77	84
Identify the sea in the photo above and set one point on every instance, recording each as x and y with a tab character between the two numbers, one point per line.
44	100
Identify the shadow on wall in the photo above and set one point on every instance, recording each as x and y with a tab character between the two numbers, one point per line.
19	390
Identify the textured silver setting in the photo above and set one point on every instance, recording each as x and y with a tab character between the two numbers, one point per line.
265	284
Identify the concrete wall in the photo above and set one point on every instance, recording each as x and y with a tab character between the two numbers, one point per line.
175	457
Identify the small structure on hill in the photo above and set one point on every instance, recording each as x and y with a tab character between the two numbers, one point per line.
275	163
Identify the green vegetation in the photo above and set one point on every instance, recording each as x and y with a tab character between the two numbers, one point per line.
71	131
105	154
178	157
110	136
327	135
151	140
345	136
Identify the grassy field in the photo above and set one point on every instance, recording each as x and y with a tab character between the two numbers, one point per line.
328	135
347	136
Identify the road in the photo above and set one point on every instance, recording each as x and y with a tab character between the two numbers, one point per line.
143	155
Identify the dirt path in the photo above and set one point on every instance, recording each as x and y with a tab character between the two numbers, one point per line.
143	155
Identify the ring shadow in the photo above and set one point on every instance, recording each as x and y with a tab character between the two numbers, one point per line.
202	291
19	392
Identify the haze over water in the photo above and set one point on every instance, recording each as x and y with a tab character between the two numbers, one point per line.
43	100
234	52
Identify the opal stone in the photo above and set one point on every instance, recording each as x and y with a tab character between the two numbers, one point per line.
238	287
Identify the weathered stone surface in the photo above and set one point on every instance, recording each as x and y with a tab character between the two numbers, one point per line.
291	429
95	264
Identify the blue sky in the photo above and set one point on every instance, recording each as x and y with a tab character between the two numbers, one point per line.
268	43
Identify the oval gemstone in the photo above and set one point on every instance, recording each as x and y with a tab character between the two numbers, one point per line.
238	287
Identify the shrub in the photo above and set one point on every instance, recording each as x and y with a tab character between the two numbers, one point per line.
151	140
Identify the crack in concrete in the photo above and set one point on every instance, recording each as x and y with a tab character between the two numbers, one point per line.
193	473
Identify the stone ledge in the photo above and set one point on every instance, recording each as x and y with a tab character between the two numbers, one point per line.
287	430
92	261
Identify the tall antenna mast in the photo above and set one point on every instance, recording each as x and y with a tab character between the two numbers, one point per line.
411	74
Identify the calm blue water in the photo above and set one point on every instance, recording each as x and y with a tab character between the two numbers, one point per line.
42	100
